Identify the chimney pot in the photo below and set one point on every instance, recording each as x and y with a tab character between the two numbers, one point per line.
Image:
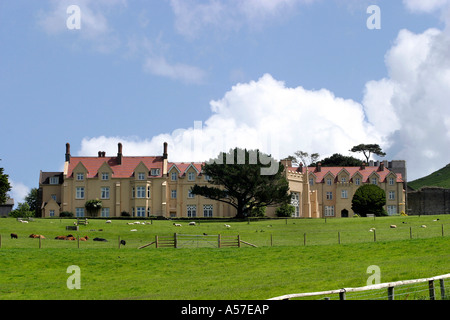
119	153
165	150
68	152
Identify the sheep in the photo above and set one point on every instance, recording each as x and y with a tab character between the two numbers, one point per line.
423	226
227	226
177	224
393	226
192	223
130	223
372	229
133	230
108	221
23	221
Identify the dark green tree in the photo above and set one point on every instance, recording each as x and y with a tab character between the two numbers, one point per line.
286	210
246	179
22	211
368	149
338	160
93	207
32	200
5	186
369	199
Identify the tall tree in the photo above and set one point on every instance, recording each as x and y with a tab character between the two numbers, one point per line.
368	149
304	158
32	200
338	160
5	187
369	199
236	178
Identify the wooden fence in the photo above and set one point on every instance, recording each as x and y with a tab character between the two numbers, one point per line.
390	286
184	240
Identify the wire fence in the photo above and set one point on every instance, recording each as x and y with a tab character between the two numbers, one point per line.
434	288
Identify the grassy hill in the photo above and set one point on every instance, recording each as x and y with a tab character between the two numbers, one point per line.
439	178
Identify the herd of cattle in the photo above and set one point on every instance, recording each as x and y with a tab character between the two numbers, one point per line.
69	237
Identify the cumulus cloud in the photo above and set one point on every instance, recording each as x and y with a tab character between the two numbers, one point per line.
177	71
263	114
18	191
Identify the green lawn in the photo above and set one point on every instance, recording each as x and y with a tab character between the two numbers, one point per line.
27	272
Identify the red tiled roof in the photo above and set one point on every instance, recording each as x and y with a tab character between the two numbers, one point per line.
352	171
183	166
124	170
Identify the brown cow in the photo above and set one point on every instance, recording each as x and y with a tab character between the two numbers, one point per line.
85	238
60	238
71	238
14	236
36	236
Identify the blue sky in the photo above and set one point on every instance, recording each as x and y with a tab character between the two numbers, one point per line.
302	74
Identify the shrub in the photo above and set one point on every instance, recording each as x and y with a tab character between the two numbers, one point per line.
369	199
66	214
286	210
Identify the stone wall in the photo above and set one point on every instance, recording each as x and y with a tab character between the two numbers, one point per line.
429	200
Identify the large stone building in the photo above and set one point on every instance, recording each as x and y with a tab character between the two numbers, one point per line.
147	186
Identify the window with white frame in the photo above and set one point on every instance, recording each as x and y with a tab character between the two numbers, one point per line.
140	211
80	176
391	195
391	210
105	176
344	194
79	212
207	178
105	212
329	211
357	181
343	179
190	194
328	181
133	192
208	210
154	172
140	192
54	180
329	195
311	181
53	196
141	176
374	180
391	181
104	194
52	213
191	210
295	202
174	176
79	193
191	176
173	194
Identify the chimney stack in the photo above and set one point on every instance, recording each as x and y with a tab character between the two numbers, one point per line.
68	152
165	151
119	153
381	166
363	166
319	167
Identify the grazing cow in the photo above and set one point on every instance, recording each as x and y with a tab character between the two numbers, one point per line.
34	236
14	236
71	238
85	238
100	239
60	238
123	242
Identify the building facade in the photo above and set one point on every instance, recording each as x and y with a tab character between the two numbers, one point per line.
148	186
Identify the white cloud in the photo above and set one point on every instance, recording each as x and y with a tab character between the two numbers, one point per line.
425	6
262	114
177	71
18	191
191	16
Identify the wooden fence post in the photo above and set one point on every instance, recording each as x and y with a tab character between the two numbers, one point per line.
442	229
239	240
339	237
218	240
442	285
0	241
342	295
391	295
431	289
175	240
271	240
119	241
304	239
374	235
410	232
39	241
156	241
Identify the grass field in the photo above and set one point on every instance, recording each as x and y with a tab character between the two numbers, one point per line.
285	265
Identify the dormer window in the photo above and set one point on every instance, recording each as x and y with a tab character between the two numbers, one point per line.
141	176
174	176
80	176
54	180
154	172
105	176
191	176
